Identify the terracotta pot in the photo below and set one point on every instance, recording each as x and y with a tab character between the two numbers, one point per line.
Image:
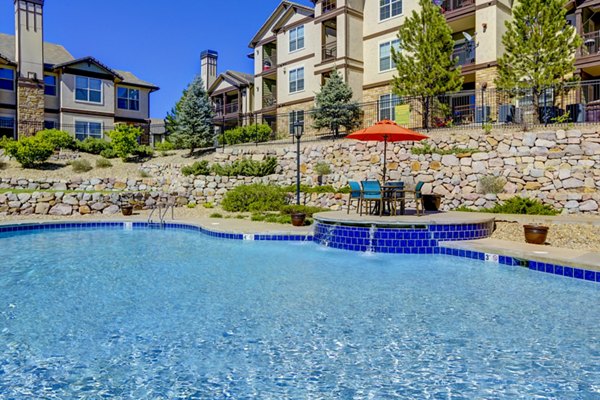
535	234
298	219
127	209
432	202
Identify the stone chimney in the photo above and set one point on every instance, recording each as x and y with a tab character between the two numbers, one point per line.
29	42
208	67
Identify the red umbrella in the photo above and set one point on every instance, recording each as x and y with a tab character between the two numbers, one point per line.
387	131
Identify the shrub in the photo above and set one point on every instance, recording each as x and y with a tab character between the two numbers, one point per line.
93	145
517	205
425	148
29	151
57	139
108	153
216	215
247	167
308	210
256	197
197	168
208	204
124	140
81	166
143	152
191	205
144	174
5	141
164	146
248	134
491	184
487	128
103	163
322	168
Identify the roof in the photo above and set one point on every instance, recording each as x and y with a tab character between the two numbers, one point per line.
91	60
56	56
53	53
235	78
284	6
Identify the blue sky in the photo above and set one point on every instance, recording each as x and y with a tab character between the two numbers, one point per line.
160	41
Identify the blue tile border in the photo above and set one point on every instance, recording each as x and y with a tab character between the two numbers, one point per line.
47	226
555	269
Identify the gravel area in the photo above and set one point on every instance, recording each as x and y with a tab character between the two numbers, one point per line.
569	236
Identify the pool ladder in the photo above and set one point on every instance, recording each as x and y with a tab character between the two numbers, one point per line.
162	210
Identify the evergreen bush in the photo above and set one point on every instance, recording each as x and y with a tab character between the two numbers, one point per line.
92	145
197	168
255	197
246	167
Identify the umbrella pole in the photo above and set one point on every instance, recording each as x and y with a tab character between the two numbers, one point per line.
384	158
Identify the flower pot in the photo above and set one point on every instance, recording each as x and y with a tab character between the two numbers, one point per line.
432	202
127	209
535	234
298	219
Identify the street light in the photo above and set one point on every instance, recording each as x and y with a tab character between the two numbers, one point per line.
298	130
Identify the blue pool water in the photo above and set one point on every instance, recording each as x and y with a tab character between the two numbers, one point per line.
175	315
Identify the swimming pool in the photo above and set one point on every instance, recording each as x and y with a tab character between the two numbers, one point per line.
177	314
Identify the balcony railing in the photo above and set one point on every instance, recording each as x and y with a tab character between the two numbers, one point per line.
465	54
269	63
329	5
269	100
591	43
329	51
452	5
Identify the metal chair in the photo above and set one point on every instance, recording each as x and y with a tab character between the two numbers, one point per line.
371	192
394	194
419	198
355	194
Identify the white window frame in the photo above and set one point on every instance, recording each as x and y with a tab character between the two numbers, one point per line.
389	5
391	44
101	102
88	122
129	99
13	80
296	39
296	70
392	100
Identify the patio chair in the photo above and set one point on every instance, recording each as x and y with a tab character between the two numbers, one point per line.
355	194
371	193
419	198
396	194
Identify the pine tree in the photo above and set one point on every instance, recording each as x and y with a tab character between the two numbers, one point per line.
334	107
539	48
171	118
425	67
194	118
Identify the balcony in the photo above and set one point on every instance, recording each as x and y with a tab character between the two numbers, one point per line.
269	100
231	108
329	52
455	5
328	6
591	43
465	54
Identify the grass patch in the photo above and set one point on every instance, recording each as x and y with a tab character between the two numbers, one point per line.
103	163
216	215
81	166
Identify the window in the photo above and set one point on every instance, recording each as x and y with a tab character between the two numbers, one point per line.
49	85
386	62
84	129
7	79
389	9
50	125
128	99
88	89
295	116
387	106
297	80
297	38
7	127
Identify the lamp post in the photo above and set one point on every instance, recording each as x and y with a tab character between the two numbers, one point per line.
297	132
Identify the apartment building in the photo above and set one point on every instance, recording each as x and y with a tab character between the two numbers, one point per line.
43	86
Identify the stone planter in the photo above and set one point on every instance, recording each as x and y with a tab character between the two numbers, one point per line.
127	209
535	234
298	219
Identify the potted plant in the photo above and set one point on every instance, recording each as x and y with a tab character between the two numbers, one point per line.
298	218
322	169
535	234
127	209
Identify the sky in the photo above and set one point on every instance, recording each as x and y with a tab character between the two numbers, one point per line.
160	42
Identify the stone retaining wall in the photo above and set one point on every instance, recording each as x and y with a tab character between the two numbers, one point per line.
561	168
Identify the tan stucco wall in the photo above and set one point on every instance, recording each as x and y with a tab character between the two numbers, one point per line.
371	60
67	92
143	111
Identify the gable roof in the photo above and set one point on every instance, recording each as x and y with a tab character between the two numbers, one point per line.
53	53
131	79
234	78
284	6
89	60
290	12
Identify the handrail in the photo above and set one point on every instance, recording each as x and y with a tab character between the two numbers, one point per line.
162	208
